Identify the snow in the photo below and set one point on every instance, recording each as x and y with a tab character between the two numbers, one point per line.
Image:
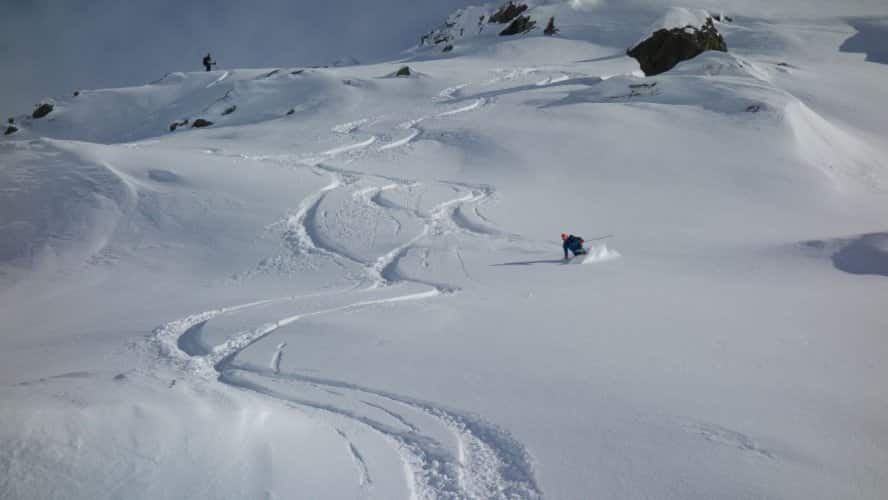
366	298
680	17
600	253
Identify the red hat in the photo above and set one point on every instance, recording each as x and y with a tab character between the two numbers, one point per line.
563	236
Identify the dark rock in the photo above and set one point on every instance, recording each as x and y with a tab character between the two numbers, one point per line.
76	93
550	28
447	48
291	111
753	108
452	29
507	13
43	110
521	24
436	38
201	123
229	110
10	130
297	72
271	73
10	120
404	71
665	48
175	125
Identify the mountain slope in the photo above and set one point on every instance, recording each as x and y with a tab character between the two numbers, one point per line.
350	284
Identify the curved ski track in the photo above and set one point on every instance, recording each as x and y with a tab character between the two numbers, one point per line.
483	461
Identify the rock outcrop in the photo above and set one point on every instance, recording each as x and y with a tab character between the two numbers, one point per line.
175	125
10	130
201	123
403	71
42	110
667	47
521	24
507	13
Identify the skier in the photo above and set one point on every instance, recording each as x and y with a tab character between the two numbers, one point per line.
572	243
208	62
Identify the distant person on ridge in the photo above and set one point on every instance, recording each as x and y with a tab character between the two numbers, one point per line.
208	62
572	243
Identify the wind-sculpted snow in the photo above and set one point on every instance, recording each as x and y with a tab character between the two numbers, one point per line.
59	211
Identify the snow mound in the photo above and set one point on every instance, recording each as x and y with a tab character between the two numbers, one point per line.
57	207
677	17
716	63
835	150
226	98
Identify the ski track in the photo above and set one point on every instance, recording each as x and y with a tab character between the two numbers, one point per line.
487	461
349	148
475	105
358	459
414	133
218	80
451	92
277	358
350	127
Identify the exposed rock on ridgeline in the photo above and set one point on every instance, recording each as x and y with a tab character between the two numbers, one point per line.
456	26
667	47
521	24
43	109
507	13
175	125
201	123
472	21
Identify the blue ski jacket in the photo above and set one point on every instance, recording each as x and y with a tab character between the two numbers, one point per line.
572	243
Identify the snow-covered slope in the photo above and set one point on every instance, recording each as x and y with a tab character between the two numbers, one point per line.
350	285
